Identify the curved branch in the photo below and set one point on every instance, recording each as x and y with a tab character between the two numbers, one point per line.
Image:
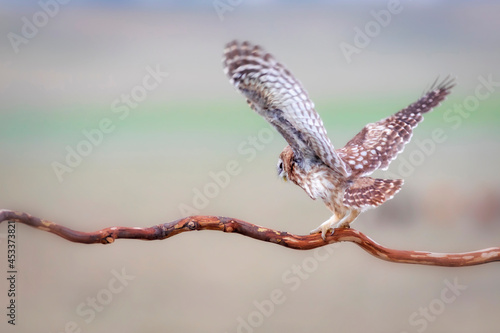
230	225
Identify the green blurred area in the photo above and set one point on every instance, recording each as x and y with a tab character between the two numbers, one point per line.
205	117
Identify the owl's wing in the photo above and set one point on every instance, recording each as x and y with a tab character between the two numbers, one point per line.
274	93
379	143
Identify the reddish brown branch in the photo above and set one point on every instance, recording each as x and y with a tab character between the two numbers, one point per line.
226	224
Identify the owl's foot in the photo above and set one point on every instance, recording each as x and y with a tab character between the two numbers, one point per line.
332	224
341	224
325	226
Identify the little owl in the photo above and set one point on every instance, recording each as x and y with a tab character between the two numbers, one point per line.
337	176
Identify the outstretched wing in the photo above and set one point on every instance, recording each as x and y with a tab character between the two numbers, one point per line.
379	143
273	92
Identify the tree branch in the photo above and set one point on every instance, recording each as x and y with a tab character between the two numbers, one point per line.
230	225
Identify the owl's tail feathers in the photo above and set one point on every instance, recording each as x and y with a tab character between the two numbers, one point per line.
367	192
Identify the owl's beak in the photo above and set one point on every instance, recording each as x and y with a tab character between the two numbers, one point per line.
284	176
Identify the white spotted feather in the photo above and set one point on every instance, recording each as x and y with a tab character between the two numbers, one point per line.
274	93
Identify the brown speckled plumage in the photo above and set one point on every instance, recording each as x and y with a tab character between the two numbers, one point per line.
337	176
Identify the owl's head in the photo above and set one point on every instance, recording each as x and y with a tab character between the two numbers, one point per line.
285	162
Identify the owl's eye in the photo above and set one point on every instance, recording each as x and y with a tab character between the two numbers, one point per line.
280	167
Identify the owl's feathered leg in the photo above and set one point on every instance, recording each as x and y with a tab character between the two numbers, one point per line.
335	222
347	219
327	225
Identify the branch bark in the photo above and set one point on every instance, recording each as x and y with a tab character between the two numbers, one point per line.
231	225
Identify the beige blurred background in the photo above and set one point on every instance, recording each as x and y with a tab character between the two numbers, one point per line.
69	75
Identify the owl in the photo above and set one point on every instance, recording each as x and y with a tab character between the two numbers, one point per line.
339	177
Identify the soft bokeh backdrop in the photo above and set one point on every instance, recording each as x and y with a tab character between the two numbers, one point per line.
68	69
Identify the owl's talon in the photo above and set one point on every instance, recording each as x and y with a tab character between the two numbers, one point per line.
323	228
330	224
340	226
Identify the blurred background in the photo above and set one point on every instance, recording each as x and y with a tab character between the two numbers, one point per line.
120	114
